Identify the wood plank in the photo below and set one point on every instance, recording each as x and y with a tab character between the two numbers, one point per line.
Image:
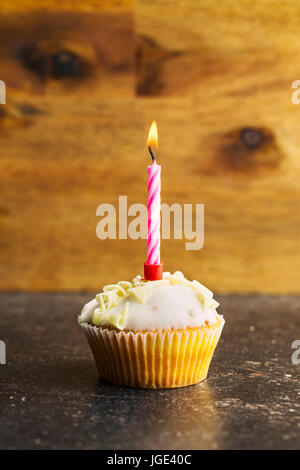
228	138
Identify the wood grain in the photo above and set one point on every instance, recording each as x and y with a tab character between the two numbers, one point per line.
215	75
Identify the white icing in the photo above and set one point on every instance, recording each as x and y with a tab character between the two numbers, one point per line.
167	306
87	312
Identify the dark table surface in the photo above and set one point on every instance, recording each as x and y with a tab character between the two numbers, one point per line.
51	397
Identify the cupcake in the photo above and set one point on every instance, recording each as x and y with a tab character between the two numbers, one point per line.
153	334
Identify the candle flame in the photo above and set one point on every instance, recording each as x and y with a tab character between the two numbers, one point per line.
152	136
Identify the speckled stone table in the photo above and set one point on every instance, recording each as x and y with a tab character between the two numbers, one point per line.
51	397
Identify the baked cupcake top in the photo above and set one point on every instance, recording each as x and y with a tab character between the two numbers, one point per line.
173	302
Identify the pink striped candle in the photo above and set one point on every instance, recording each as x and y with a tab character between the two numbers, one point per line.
153	267
153	243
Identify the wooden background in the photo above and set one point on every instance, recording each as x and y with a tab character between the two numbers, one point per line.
84	81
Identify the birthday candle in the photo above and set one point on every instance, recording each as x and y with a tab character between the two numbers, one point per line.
153	268
153	244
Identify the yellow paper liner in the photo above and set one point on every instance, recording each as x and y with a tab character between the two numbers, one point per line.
153	359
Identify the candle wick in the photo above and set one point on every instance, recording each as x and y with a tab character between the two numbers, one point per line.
151	153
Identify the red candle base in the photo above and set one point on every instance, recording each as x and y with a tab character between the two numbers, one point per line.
153	272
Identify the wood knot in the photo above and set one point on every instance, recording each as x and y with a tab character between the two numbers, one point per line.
150	58
48	63
250	150
65	64
251	137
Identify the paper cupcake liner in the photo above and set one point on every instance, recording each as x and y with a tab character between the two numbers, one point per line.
153	359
